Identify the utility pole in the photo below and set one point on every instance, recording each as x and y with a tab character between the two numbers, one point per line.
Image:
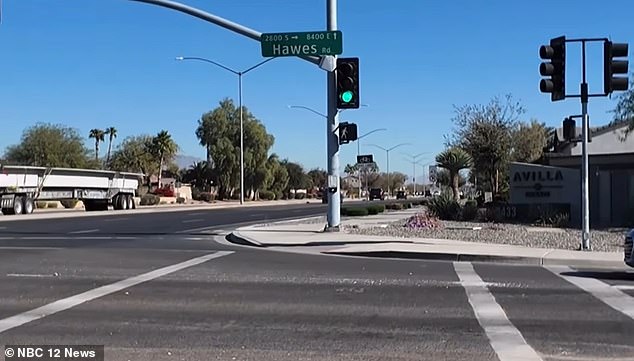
334	215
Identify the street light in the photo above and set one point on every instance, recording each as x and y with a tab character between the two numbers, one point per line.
414	161
387	153
239	74
359	151
316	112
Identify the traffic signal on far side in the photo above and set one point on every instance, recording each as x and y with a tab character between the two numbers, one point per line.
569	129
555	69
613	66
348	83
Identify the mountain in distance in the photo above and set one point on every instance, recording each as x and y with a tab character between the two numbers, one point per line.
185	161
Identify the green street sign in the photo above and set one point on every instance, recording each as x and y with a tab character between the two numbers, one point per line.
301	44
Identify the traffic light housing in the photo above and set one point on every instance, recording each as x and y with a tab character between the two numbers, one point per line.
347	132
348	83
555	69
613	66
570	129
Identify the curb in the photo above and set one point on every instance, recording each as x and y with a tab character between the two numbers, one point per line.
457	257
237	238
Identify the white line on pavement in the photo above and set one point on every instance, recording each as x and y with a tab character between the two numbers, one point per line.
196	214
624	287
611	296
506	340
35	248
72	301
3	227
85	231
193	220
28	275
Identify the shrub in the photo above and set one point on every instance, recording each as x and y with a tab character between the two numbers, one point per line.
52	205
469	211
408	205
423	202
423	221
375	209
267	195
444	207
394	206
354	212
205	197
163	202
180	200
150	200
300	195
41	205
235	195
69	203
552	218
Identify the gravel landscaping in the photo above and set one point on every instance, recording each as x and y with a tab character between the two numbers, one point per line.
501	233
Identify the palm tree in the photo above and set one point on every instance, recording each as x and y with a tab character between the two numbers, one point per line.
112	133
454	160
163	147
98	134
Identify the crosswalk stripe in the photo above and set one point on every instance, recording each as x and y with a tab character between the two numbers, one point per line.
506	340
611	296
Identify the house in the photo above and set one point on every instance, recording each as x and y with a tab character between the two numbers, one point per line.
558	178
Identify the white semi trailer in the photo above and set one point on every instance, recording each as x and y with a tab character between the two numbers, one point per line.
21	186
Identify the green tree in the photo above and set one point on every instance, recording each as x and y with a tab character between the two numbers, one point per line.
297	178
163	148
200	175
49	145
454	160
112	133
624	110
318	177
134	155
98	135
529	141
277	179
484	132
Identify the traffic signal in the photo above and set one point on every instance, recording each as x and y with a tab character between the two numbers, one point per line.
570	129
611	66
348	83
347	133
555	68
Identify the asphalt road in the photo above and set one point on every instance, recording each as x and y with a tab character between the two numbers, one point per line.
162	301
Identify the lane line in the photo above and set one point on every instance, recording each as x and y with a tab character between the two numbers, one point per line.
610	295
85	231
34	248
193	220
196	214
72	301
3	227
624	287
29	275
505	339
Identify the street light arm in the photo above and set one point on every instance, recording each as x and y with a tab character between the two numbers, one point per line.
207	61
307	108
398	145
370	132
378	146
257	65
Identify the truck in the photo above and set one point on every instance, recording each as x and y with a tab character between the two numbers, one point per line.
22	186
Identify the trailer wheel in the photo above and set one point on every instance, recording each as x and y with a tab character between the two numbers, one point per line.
18	206
29	205
128	201
118	202
132	203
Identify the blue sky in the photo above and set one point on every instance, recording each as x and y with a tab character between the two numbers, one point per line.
100	63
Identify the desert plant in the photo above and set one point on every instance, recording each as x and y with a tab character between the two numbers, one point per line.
444	207
423	221
375	208
180	200
150	200
41	205
469	211
354	212
394	206
267	195
52	205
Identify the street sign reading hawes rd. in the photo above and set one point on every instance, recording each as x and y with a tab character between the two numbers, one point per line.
304	43
365	159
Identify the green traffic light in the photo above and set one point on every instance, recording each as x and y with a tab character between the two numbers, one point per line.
346	96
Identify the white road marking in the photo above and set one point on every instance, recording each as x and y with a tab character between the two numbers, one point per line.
610	295
29	248
85	231
3	227
196	214
28	275
506	340
72	301
624	287
193	220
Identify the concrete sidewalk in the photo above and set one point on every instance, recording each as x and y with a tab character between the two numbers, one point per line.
307	234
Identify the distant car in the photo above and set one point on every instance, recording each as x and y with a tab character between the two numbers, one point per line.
401	195
628	249
376	193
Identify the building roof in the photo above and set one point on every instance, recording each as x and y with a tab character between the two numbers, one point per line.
559	144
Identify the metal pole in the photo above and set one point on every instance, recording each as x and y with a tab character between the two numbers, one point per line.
387	152
414	178
585	191
241	142
359	166
334	215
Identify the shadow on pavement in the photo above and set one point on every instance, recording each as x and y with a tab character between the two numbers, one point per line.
603	275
